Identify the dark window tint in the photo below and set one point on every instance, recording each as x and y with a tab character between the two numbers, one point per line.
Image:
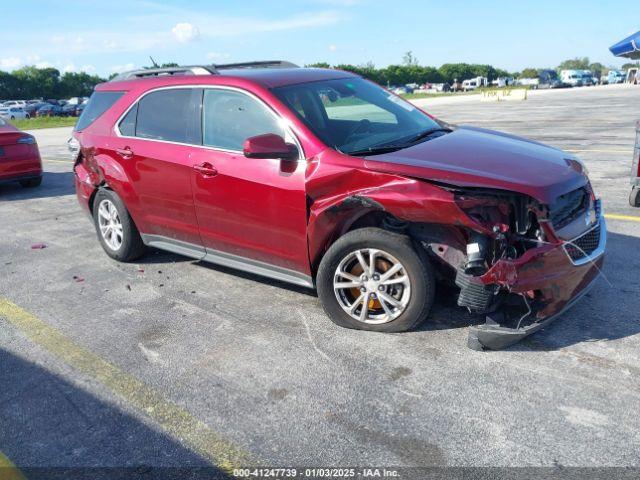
99	103
172	115
231	117
128	124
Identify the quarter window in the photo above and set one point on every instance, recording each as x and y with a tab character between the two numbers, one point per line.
128	124
230	117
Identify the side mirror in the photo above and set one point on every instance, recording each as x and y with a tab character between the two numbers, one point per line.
269	145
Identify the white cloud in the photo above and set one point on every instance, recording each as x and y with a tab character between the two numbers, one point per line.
217	55
122	68
333	48
185	32
43	64
110	45
10	63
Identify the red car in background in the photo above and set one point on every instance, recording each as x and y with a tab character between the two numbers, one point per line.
320	178
19	157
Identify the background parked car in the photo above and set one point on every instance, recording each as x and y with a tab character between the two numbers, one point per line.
69	110
20	157
14	103
49	110
32	108
13	113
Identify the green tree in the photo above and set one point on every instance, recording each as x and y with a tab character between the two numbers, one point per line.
629	65
80	84
529	73
409	59
318	65
575	64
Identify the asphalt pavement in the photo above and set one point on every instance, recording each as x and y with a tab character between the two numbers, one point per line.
171	362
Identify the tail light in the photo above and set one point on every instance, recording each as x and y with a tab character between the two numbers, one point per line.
27	139
74	148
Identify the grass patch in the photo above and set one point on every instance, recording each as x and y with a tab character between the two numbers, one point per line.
44	122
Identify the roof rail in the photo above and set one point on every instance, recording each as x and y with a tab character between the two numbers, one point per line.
201	69
156	72
257	64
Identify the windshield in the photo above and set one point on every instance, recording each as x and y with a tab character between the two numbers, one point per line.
352	114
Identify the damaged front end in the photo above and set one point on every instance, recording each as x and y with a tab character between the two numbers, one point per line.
536	262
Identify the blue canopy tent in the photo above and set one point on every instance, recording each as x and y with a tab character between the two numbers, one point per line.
628	48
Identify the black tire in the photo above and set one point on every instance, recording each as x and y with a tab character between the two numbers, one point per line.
132	246
634	197
31	183
416	264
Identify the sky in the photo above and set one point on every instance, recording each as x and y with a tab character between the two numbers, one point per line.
116	35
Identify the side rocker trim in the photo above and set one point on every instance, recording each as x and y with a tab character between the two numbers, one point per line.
237	262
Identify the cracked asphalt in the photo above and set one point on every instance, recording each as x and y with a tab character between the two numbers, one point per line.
258	365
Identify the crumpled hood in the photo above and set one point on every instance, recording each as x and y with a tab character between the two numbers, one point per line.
477	157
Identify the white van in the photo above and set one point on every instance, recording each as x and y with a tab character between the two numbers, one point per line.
473	83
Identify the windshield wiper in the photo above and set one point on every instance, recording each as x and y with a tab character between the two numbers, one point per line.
376	150
427	133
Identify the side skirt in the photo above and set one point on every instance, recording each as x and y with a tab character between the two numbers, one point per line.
217	257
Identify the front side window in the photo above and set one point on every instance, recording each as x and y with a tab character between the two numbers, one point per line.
230	117
352	114
171	115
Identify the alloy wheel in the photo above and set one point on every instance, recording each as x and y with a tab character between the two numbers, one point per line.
110	224
372	286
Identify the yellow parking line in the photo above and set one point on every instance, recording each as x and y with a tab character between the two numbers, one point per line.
615	216
176	420
8	471
599	150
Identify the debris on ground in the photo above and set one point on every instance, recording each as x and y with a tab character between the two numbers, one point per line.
38	246
78	279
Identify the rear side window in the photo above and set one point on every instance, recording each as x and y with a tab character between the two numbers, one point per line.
99	102
171	115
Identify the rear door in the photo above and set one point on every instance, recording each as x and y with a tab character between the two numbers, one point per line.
153	145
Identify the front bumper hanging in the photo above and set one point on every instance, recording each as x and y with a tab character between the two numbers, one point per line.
556	277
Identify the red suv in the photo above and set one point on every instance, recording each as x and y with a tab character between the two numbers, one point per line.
323	179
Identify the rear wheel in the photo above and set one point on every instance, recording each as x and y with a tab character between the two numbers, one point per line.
118	234
31	183
372	279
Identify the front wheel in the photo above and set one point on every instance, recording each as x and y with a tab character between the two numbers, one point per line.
372	279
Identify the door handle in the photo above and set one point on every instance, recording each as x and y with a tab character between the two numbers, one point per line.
206	169
125	152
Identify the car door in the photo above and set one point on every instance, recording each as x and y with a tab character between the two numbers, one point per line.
254	209
153	144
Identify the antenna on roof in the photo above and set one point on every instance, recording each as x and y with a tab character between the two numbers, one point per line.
153	62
